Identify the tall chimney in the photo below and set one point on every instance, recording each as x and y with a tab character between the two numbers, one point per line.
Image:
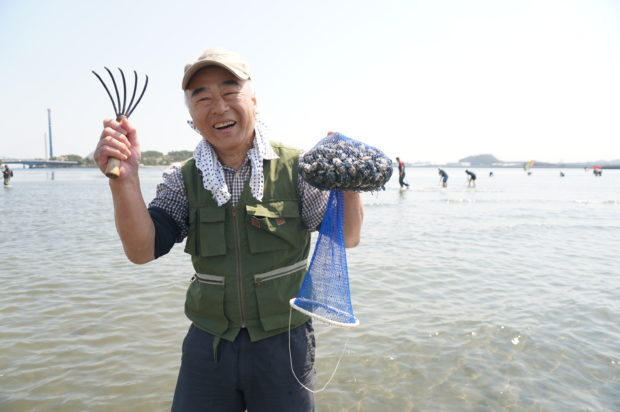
49	128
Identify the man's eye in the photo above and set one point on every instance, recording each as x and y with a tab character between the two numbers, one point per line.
204	99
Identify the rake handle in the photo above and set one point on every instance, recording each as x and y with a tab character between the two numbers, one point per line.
113	168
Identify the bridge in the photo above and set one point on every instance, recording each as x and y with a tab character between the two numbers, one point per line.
40	163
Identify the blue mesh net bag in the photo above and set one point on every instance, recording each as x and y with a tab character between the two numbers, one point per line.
336	163
324	293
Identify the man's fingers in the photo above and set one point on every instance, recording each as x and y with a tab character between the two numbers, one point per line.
107	152
116	144
116	125
121	142
127	128
109	147
118	134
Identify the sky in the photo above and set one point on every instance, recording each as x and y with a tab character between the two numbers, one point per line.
428	81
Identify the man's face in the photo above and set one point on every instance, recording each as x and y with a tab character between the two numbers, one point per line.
223	110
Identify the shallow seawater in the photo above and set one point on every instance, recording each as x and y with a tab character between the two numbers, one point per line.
502	297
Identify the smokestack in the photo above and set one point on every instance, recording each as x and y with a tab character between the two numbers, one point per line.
49	128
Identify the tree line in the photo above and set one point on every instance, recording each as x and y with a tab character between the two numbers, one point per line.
148	158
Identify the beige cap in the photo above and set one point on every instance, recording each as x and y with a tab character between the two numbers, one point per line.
230	61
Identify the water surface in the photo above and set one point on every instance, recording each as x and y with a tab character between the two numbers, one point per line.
502	297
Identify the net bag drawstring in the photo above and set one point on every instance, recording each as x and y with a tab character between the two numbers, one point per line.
290	357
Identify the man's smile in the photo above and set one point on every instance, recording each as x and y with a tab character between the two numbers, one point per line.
224	125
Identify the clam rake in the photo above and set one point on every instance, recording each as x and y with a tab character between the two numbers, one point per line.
121	109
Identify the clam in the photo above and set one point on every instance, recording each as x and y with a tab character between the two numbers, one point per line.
341	163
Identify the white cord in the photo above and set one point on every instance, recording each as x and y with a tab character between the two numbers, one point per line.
290	356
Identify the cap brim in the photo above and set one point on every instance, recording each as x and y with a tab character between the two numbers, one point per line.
205	63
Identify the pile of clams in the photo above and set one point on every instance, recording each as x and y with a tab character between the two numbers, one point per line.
341	163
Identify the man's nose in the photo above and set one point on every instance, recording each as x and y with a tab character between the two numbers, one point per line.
220	106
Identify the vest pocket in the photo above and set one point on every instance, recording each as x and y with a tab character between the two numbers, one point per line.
205	302
207	232
273	225
274	290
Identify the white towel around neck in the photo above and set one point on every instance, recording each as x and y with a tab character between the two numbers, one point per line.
213	172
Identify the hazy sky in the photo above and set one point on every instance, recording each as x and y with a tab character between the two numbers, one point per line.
433	80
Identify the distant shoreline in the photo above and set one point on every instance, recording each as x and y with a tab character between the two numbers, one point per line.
463	163
408	165
515	166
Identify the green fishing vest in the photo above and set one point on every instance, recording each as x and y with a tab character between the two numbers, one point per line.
250	260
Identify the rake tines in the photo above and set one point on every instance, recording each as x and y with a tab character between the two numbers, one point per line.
121	109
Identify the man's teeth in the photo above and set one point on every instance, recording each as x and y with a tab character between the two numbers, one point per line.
224	125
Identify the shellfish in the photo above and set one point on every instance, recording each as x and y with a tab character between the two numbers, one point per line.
338	162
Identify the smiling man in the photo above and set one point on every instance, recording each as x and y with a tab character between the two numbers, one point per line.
246	216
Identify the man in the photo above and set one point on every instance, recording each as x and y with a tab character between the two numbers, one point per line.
401	173
247	216
471	178
443	178
7	174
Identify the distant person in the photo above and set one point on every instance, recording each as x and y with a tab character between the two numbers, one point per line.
401	173
443	177
561	173
7	174
471	178
491	174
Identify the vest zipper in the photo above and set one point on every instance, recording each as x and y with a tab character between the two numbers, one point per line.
238	267
209	279
278	273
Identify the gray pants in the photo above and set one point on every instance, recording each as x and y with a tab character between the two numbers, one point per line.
246	375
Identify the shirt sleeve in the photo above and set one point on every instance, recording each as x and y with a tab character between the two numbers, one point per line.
171	199
166	231
313	204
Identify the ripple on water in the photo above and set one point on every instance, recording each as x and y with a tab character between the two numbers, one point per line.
498	299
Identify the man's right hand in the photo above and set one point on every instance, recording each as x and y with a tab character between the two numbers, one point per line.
133	222
120	140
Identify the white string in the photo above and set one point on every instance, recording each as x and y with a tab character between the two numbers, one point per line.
290	356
